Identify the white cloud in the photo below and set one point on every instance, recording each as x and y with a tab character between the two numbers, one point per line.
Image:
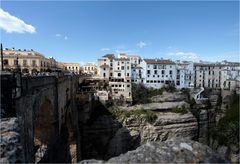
11	23
118	51
142	44
61	36
58	35
105	49
185	55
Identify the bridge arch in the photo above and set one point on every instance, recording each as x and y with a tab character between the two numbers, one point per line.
43	129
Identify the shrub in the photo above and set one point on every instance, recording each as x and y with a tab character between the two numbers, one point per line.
182	110
227	130
150	116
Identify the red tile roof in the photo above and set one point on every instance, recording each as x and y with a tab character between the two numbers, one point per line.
109	56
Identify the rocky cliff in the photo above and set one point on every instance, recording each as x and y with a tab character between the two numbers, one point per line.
166	125
175	150
11	150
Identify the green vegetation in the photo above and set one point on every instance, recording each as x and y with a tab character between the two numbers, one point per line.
142	95
155	92
150	116
181	110
227	130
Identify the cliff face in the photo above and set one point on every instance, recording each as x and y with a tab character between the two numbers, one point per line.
106	137
166	125
175	150
11	149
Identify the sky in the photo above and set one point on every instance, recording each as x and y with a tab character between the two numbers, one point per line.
81	31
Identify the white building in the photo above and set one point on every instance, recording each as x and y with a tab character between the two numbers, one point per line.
185	74
158	72
117	72
90	68
230	76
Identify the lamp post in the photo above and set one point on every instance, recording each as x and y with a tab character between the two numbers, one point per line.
1	57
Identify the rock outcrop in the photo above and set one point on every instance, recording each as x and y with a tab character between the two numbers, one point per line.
11	149
169	97
175	150
97	135
166	125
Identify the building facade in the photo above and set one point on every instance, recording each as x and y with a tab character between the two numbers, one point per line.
117	73
157	73
184	74
29	61
90	68
71	66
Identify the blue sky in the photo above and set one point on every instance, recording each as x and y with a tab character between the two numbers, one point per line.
83	31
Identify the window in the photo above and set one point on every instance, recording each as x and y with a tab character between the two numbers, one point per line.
119	74
154	66
104	74
118	63
148	71
122	68
128	86
24	62
163	71
127	67
127	74
111	74
5	62
155	72
15	62
178	83
170	72
34	63
147	81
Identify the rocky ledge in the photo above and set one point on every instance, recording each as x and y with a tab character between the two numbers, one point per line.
11	149
174	150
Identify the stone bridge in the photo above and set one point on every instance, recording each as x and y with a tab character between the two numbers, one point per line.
48	117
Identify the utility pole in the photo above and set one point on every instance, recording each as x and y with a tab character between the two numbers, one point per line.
1	57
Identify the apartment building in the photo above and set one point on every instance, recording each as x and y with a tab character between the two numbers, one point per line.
208	75
158	72
117	72
90	68
230	78
29	61
184	74
71	66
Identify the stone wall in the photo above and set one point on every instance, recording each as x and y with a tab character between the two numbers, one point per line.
60	95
